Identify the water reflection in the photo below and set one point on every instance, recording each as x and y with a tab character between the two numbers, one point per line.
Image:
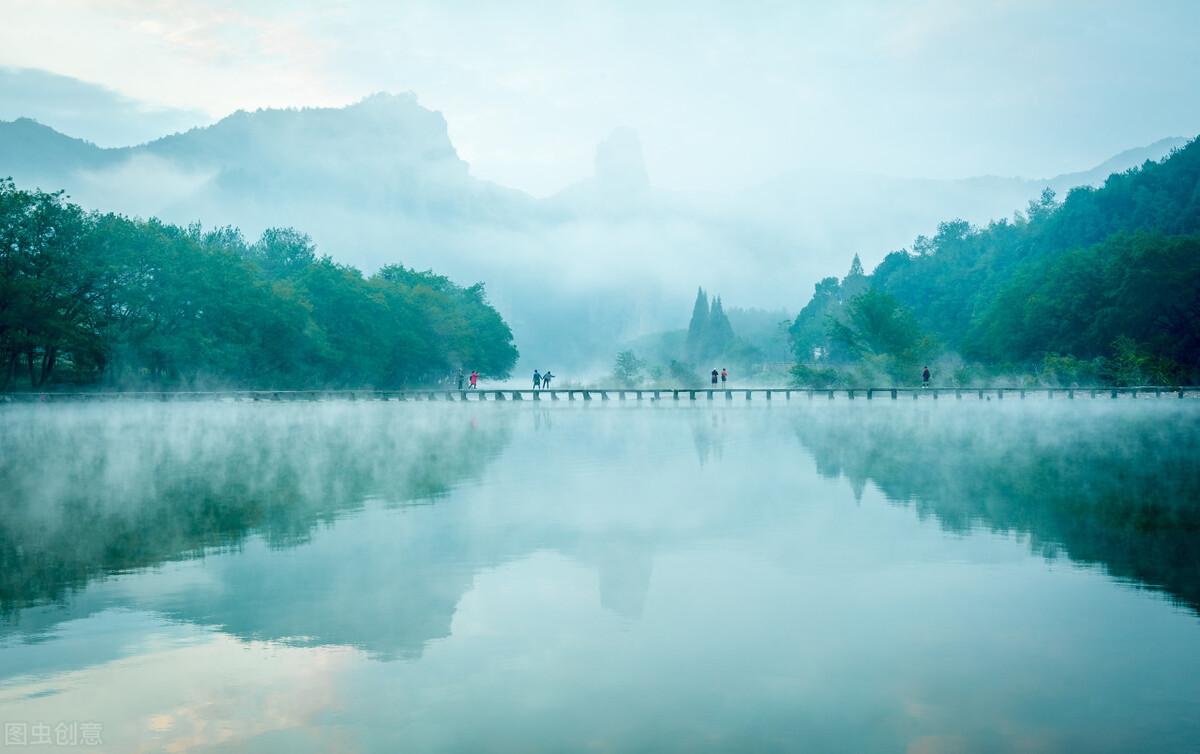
1111	485
95	491
384	577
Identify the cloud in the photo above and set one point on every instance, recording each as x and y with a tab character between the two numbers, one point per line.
149	183
88	111
721	96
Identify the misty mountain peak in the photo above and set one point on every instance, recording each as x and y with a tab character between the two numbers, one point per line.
619	162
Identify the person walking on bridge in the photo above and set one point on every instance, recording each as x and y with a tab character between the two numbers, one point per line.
715	375
724	376
459	379
925	378
474	379
537	379
546	379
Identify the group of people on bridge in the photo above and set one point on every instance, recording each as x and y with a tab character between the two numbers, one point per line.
472	381
541	380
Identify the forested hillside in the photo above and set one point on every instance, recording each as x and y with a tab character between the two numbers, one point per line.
91	298
1104	287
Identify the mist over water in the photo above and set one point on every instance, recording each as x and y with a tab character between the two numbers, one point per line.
964	575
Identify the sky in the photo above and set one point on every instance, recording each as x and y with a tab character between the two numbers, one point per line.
721	94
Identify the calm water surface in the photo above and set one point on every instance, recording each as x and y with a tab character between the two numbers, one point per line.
918	577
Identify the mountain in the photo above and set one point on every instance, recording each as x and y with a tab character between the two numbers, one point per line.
873	214
34	153
1130	158
385	152
608	259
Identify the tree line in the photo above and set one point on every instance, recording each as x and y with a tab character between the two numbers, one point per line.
90	298
1103	287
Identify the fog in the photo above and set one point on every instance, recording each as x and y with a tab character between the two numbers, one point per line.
264	575
102	488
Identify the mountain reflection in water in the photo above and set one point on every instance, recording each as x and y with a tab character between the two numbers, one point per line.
631	576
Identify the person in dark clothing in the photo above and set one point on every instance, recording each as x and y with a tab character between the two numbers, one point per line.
714	376
925	377
460	379
546	380
537	379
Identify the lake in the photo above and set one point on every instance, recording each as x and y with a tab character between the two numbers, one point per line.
809	575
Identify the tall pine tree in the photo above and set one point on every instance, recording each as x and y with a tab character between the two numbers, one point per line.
698	326
718	336
856	268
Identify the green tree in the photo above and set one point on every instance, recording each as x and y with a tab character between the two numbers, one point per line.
1065	280
876	324
628	369
856	268
89	298
718	336
698	325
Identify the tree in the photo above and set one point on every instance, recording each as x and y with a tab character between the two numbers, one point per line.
718	335
628	369
698	325
282	252
1043	207
88	297
876	324
1067	281
856	268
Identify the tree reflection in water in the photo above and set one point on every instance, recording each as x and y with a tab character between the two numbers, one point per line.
1114	485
